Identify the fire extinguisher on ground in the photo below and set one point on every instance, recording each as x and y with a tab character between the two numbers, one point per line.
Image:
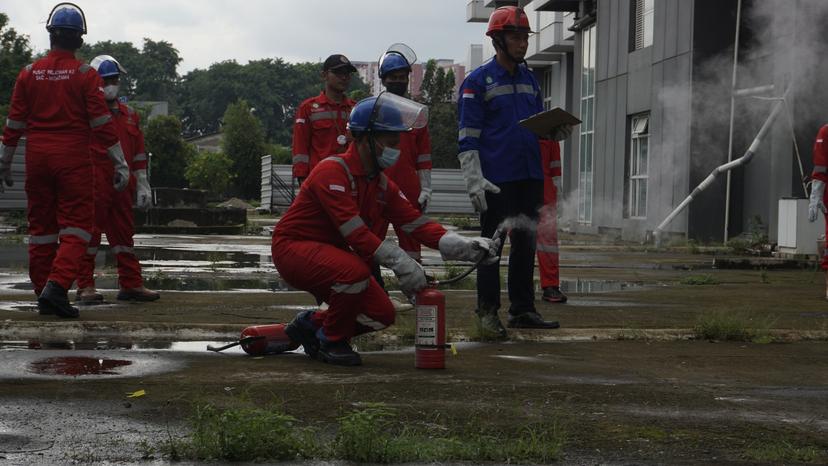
430	316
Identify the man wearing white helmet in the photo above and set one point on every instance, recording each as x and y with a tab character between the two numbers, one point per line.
113	209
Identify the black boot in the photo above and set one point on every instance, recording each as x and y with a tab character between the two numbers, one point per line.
553	294
301	330
55	300
531	320
339	353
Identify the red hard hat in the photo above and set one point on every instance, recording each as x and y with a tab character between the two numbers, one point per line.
508	18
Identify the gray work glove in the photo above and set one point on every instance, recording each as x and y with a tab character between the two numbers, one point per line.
816	204
143	192
6	156
561	132
425	189
410	274
121	176
460	248
476	184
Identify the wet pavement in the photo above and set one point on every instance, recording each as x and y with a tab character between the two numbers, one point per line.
620	368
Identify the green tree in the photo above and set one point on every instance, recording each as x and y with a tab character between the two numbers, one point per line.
15	53
170	154
281	155
152	72
244	143
436	92
211	171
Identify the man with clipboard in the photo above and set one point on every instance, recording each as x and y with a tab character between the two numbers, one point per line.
501	164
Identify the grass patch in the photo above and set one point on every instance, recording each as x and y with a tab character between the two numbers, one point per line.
734	326
698	280
782	452
372	433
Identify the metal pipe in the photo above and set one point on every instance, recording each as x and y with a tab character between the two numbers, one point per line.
750	91
725	168
732	116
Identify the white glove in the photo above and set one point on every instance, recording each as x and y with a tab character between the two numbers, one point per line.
425	189
455	247
816	204
476	184
143	192
6	156
410	274
121	176
561	132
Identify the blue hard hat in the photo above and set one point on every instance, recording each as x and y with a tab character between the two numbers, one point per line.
108	69
387	112
107	66
66	16
392	62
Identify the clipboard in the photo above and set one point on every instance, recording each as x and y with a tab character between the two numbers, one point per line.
544	122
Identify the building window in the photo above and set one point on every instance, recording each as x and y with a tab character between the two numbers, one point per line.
587	127
643	14
636	185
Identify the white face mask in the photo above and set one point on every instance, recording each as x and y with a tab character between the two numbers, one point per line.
111	92
388	157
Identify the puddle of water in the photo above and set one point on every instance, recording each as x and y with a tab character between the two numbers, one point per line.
77	366
597	286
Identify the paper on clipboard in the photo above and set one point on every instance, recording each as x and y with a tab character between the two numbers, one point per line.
544	122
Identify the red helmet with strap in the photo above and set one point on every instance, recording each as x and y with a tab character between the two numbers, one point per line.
508	18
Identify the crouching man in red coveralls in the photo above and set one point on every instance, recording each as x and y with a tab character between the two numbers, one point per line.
58	103
547	247
328	238
818	195
113	210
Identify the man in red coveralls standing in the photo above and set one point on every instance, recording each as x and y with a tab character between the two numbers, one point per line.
547	247
113	210
320	128
328	238
412	172
58	103
818	195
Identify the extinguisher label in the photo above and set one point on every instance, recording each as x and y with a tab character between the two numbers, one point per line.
426	325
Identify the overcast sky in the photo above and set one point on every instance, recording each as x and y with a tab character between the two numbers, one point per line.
207	31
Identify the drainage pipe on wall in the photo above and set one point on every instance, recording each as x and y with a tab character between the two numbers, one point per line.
743	160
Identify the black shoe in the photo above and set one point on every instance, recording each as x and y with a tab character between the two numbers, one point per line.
531	320
301	331
490	327
55	299
553	294
339	353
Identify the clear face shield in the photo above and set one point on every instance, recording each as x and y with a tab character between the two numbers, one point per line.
402	50
96	63
394	113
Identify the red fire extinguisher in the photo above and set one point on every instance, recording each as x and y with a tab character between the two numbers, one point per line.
430	308
430	337
261	340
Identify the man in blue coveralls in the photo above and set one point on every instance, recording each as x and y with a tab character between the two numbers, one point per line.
501	164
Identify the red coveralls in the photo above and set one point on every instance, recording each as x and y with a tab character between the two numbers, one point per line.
113	209
821	173
58	103
415	154
547	250
316	133
325	243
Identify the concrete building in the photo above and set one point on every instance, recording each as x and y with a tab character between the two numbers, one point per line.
652	81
